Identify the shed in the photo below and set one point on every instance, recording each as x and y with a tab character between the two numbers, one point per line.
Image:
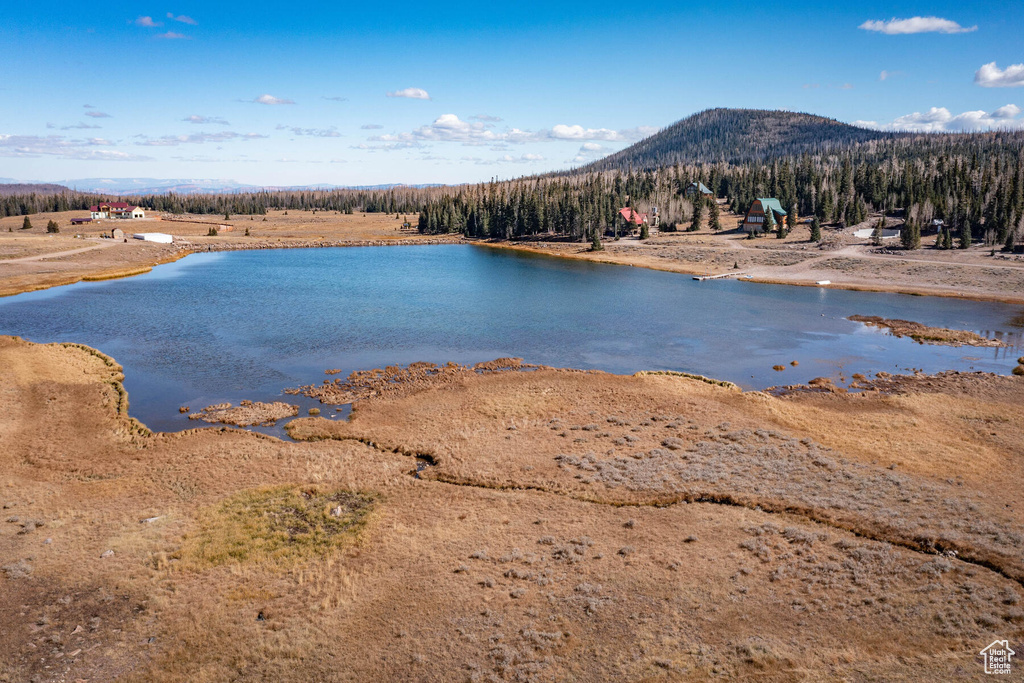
159	237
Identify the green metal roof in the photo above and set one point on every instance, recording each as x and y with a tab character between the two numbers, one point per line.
701	187
773	204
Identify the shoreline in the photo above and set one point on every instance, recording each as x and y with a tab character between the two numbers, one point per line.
683	270
186	247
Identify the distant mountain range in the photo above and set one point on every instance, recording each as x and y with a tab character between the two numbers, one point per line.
8	187
737	136
145	186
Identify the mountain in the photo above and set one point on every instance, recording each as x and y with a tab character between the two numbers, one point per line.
12	188
737	136
138	187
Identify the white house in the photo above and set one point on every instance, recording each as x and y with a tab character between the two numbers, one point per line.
116	210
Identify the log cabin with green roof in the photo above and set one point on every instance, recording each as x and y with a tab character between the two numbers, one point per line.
755	220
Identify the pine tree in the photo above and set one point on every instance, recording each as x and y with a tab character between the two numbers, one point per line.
876	234
698	216
714	217
815	230
644	231
769	221
965	233
595	242
52	227
26	224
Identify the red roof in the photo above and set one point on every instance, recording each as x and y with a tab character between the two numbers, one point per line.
633	216
112	205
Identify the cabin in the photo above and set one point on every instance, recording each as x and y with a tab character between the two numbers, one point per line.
634	218
754	220
116	210
697	188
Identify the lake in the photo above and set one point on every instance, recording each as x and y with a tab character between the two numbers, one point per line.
228	326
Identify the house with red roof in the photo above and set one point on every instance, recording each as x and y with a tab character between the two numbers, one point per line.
633	217
116	210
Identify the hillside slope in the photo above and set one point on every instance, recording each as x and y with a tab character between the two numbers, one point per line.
737	135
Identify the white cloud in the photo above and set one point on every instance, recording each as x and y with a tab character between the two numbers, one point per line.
336	99
895	27
331	132
589	151
411	93
195	118
147	22
181	18
941	120
98	115
450	128
371	126
991	76
1007	111
60	146
77	126
270	99
387	147
195	138
486	118
171	35
888	75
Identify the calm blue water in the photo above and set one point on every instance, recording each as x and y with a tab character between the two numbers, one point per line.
229	326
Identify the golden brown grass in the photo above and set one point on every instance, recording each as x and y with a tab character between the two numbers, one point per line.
517	570
276	525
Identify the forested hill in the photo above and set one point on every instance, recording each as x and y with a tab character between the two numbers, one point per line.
9	189
737	136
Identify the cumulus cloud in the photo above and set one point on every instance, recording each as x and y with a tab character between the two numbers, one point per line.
195	118
181	18
941	120
590	151
371	126
147	22
411	93
171	35
98	114
65	148
450	128
487	118
331	132
270	99
195	138
991	76
895	27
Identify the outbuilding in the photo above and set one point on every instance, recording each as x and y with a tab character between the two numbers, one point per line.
159	237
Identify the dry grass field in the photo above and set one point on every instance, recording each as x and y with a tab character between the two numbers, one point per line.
571	526
32	259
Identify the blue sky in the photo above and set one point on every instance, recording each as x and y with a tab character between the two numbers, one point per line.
420	93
